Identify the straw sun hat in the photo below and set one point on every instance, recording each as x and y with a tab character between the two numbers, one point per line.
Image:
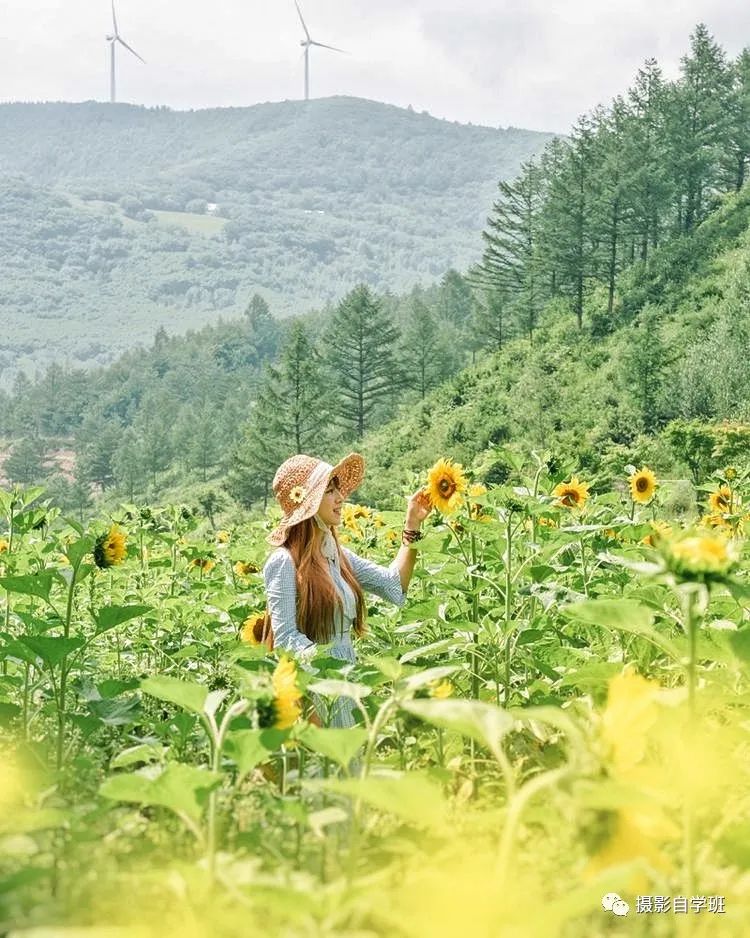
300	483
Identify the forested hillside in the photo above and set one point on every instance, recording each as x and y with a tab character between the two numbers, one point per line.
615	283
609	309
666	388
184	410
116	220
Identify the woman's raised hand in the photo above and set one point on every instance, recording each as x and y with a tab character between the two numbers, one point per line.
417	509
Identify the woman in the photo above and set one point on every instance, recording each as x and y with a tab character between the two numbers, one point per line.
314	586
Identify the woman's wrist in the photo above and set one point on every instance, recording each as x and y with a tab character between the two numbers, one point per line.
411	531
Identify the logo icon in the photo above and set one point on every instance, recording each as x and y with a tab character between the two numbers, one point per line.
611	902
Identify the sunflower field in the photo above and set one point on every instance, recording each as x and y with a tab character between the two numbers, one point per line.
552	738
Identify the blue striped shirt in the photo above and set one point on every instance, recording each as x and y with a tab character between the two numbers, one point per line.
281	593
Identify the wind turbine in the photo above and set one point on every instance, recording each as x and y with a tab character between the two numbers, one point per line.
113	38
307	42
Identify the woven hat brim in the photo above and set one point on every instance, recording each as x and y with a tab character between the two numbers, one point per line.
350	471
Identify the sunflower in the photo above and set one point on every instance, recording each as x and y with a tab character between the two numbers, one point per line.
392	537
701	557
633	833
630	714
349	517
251	630
222	537
628	724
571	494
109	548
241	568
287	695
659	530
440	690
546	522
718	522
297	494
445	485
4	545
476	511
730	473
642	486
721	500
206	564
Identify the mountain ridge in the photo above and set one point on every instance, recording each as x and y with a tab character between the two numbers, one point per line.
316	197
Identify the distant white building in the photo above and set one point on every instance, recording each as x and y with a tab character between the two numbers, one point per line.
212	208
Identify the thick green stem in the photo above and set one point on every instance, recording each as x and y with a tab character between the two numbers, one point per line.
691	623
373	731
27	669
64	672
216	737
7	595
212	808
516	805
474	657
691	629
584	571
473	579
508	601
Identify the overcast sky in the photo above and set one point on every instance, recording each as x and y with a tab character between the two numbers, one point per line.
526	63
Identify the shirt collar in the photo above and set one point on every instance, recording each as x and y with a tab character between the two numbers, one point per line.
328	546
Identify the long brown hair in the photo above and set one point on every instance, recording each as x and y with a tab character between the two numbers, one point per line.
317	597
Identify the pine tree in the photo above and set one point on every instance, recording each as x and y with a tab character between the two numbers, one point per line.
96	443
699	115
645	158
569	244
424	353
291	414
265	330
26	461
644	370
204	441
491	319
610	206
737	158
153	431
455	301
550	164
128	465
361	342
510	263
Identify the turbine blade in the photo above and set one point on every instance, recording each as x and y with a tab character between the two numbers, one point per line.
114	18
123	43
304	26
324	46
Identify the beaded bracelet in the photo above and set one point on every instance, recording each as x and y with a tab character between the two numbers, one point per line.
408	537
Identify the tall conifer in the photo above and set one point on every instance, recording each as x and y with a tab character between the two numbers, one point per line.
360	352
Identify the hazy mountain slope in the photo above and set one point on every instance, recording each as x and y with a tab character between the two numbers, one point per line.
316	197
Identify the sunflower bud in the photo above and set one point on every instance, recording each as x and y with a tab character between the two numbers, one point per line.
701	557
109	549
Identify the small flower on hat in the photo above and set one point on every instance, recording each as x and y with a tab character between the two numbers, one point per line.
298	494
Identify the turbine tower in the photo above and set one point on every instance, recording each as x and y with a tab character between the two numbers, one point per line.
113	38
306	43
